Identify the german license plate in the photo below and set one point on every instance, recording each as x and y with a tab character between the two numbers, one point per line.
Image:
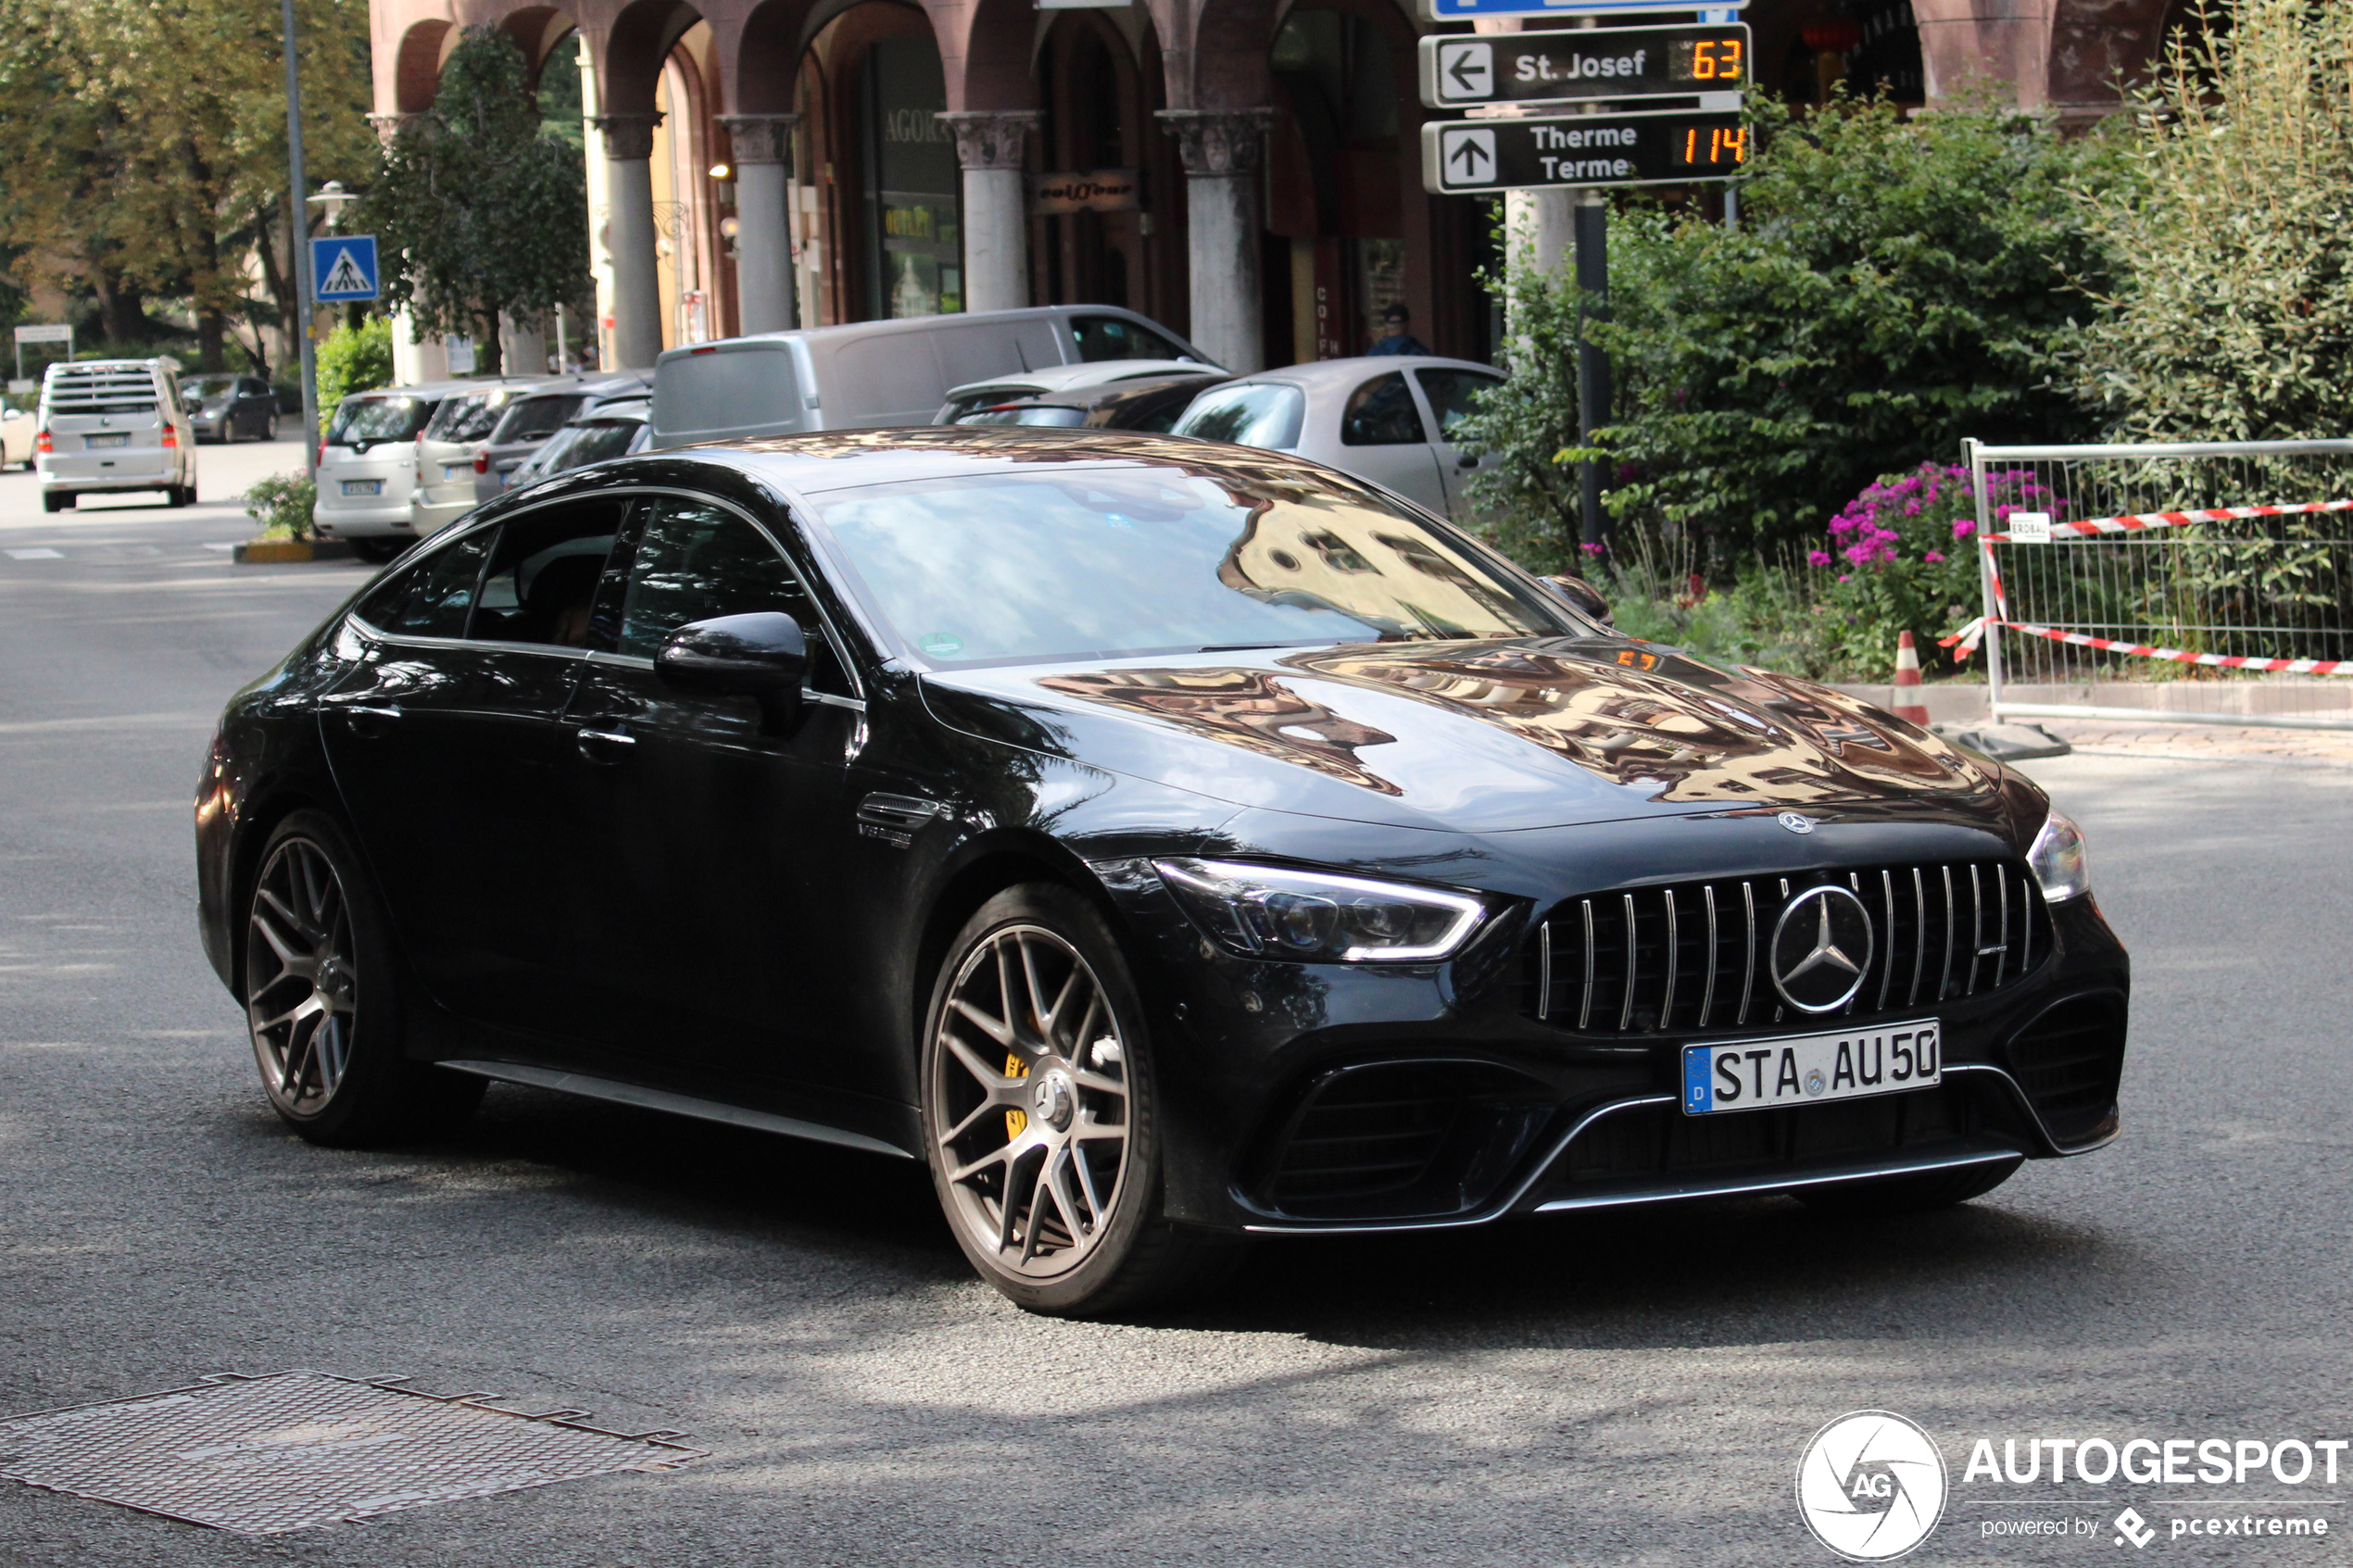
363	486
1803	1069
117	439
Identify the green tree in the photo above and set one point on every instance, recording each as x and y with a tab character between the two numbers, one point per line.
476	213
1894	286
353	359
2231	317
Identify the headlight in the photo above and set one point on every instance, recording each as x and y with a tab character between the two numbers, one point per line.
1266	913
2058	861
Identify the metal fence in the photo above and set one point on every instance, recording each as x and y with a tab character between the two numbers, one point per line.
2209	583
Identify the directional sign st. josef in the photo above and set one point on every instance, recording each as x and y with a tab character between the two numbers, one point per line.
1589	63
1658	148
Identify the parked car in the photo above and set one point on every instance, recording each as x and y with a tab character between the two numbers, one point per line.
881	373
1161	841
531	420
1082	377
452	451
231	407
615	428
368	466
1147	403
1390	420
108	426
16	436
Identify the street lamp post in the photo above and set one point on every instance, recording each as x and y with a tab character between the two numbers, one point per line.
298	238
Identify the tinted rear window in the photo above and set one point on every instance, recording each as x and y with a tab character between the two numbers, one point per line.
1111	337
596	441
725	390
1259	415
1028	414
469	418
536	416
378	419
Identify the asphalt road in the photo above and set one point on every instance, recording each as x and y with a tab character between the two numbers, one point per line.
1598	1390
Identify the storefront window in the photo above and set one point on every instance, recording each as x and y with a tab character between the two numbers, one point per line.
916	266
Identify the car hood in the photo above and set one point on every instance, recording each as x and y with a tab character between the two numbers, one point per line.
1482	737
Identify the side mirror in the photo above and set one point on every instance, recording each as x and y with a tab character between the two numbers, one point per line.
1581	596
761	655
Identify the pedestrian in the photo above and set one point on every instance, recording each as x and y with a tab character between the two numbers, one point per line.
1396	336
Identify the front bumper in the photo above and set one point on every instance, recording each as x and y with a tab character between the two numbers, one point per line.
1335	1098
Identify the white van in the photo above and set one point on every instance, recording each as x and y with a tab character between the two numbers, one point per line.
368	466
111	425
875	374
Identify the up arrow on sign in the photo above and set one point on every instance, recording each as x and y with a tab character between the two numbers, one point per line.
1469	155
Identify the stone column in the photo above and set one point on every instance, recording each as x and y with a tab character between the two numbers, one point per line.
1221	150
763	227
629	229
989	147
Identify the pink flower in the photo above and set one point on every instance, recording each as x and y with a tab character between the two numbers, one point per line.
1819	558
1932	556
1592	549
1963	528
1843	578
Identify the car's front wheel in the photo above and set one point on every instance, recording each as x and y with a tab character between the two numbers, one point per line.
1041	1113
324	997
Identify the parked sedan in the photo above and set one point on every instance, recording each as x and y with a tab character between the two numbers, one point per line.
231	407
1149	403
1161	841
1391	419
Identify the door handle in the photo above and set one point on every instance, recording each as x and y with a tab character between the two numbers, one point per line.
1468	460
371	720
604	745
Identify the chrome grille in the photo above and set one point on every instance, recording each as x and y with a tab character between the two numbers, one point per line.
1695	956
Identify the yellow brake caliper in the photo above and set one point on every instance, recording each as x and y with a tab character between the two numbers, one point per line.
1016	1121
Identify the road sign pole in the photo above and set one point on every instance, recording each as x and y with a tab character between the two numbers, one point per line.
298	244
1592	363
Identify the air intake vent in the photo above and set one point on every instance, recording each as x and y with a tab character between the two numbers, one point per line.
1367	1132
2068	1062
1664	959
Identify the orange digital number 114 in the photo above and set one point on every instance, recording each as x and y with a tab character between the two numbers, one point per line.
1722	146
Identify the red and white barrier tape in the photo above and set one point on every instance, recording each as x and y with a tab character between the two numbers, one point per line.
1969	635
2134	523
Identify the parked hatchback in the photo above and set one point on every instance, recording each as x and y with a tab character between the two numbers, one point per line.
106	426
1391	419
231	407
368	466
452	451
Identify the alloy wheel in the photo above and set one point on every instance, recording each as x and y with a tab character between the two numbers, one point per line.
1030	1100
302	985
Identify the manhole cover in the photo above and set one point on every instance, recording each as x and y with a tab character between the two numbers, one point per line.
261	1455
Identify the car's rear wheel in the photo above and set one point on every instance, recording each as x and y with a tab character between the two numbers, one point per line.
324	999
1909	1195
1041	1113
180	495
376	552
54	501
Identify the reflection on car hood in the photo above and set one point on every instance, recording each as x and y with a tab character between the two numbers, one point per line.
1483	737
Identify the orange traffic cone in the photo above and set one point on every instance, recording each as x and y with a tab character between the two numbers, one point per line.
1907	681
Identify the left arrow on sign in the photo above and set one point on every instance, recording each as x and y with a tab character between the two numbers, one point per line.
1467	70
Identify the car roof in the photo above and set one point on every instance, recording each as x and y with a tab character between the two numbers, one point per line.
842	459
1093	372
420	389
1328	372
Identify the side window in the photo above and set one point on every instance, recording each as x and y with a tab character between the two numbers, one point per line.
541	582
1381	413
1113	337
430	598
695	561
1452	394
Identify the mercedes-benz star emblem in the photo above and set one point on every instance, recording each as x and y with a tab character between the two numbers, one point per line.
1821	949
1797	822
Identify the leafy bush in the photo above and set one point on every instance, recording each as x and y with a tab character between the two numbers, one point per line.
2232	311
1894	286
282	505
354	361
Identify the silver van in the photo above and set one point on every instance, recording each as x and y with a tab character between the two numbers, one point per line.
875	374
111	425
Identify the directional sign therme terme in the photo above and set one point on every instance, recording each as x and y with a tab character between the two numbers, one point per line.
1614	62
1660	148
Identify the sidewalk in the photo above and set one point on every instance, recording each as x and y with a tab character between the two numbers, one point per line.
2204	743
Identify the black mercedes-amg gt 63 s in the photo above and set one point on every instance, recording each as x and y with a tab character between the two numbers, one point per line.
1165	841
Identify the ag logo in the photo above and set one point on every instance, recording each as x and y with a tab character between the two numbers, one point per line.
1871	1485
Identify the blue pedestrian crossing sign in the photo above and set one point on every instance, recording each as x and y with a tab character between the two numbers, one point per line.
345	266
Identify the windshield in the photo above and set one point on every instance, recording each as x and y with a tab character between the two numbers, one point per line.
595	439
537	418
370	419
1253	414
469	418
1116	563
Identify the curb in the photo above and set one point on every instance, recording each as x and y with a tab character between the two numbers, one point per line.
275	552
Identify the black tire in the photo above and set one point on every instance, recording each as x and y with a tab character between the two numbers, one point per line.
1096	1253
179	495
377	552
325	998
1909	1195
55	501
